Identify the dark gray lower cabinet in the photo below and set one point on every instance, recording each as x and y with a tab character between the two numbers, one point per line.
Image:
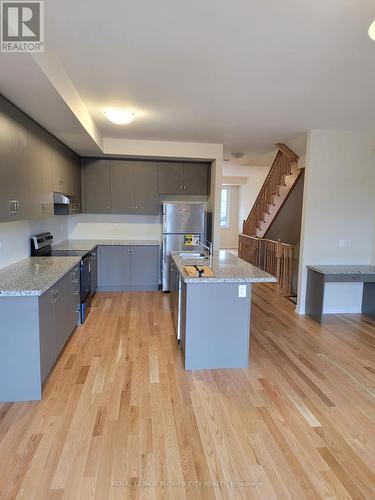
123	267
113	267
33	331
94	270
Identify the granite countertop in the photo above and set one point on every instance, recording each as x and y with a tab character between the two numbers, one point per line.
343	269
91	244
33	276
227	268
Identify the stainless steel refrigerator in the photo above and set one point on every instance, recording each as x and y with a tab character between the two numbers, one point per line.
183	230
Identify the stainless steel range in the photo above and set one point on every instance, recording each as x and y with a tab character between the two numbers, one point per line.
41	246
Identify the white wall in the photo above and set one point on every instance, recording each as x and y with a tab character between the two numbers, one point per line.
229	235
338	206
14	237
250	191
106	226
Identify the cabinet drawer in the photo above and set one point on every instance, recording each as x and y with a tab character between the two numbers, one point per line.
349	278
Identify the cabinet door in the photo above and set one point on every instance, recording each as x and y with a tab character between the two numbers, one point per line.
97	186
72	300
41	174
47	334
58	167
171	178
196	178
5	172
45	172
72	174
146	188
114	267
65	169
94	271
15	191
145	266
122	187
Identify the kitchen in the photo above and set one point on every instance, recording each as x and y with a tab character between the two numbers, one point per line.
44	298
139	356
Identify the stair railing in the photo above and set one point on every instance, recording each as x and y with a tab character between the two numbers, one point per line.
274	257
281	166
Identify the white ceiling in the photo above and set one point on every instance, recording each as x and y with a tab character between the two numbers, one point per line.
246	73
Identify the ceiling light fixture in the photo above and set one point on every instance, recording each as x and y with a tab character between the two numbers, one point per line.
371	31
119	116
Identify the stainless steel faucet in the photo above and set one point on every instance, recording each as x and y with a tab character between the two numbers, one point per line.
208	247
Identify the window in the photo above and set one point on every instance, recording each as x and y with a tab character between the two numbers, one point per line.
224	208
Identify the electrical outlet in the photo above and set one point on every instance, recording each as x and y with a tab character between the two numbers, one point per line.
242	290
345	243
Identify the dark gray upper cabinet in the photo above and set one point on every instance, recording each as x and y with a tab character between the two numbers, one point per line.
97	176
122	187
171	178
5	179
66	170
146	195
32	164
183	178
196	178
14	188
39	160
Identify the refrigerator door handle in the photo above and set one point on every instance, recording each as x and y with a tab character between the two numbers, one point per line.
164	218
164	250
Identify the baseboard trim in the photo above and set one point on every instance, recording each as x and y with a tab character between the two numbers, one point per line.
146	288
300	310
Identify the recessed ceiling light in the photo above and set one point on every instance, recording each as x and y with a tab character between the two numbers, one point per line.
371	31
119	116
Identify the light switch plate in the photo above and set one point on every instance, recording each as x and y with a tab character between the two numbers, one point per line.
242	290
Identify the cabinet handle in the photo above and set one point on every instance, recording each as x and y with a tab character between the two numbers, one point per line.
13	207
132	252
182	187
76	292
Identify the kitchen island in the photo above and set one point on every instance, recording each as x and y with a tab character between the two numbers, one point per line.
212	313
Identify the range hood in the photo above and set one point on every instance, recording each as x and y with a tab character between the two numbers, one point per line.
60	199
65	205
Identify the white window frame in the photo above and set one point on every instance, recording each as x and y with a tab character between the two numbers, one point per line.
225	224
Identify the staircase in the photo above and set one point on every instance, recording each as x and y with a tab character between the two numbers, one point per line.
280	180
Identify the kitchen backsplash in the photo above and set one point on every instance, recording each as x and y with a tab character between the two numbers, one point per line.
14	236
107	226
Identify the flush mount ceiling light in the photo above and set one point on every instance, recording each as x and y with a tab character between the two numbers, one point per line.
237	156
371	31
119	116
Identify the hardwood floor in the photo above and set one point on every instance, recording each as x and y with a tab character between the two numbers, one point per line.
119	409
